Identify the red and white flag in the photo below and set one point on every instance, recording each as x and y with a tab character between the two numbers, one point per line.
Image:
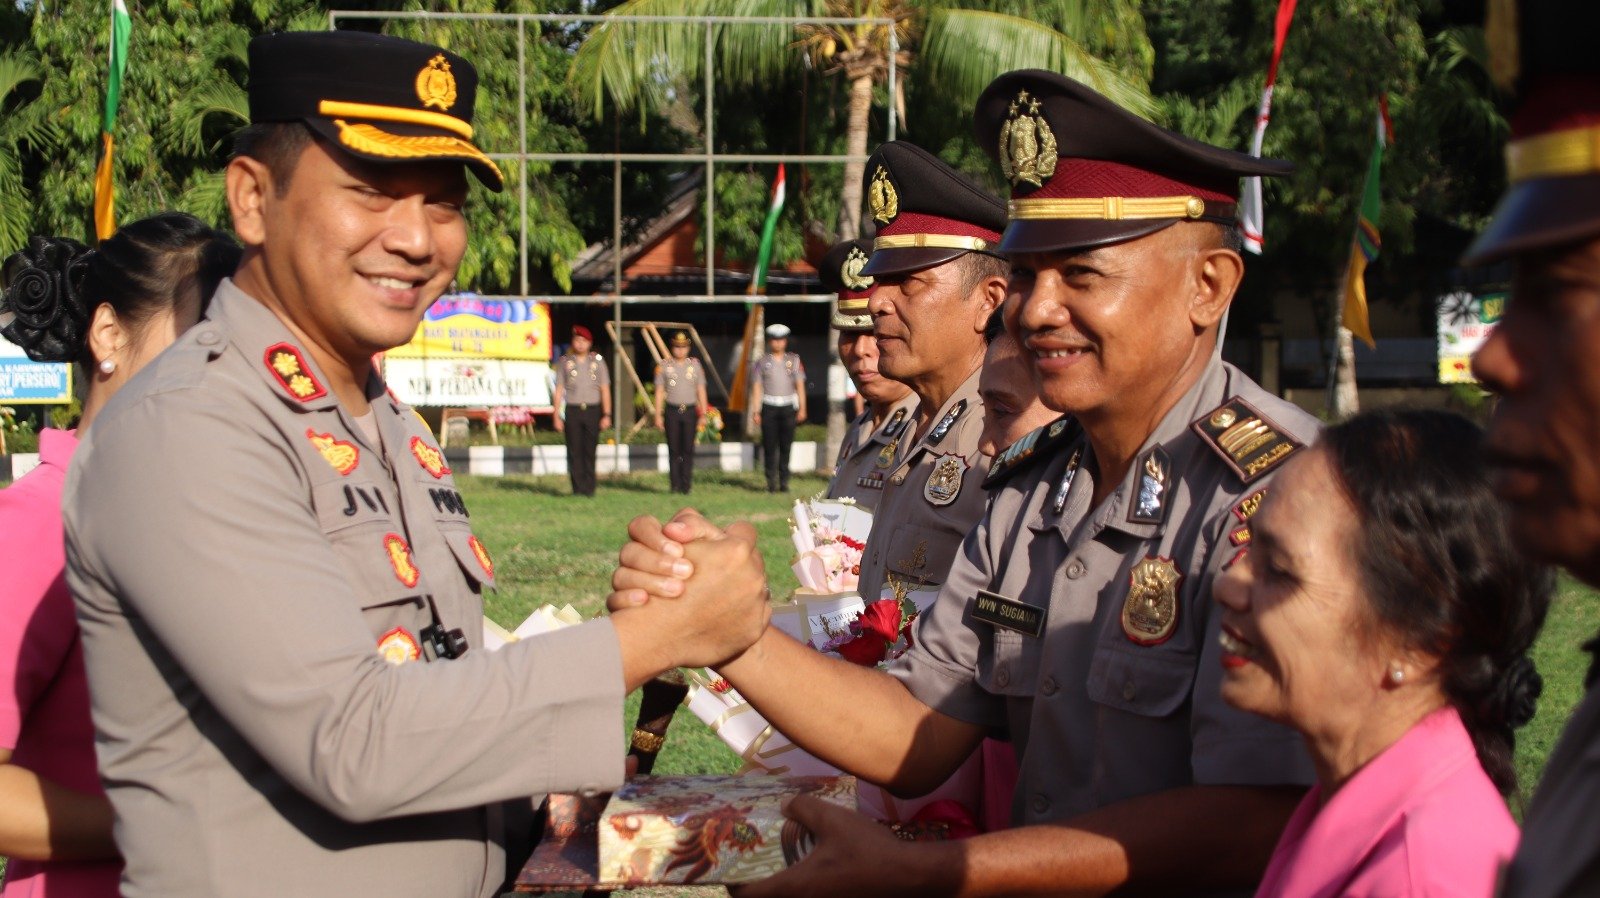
1250	205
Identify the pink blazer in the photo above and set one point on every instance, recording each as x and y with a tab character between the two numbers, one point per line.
1421	819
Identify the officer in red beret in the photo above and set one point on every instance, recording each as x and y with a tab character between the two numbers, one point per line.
583	406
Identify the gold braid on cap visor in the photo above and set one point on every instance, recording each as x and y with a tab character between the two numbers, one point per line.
1561	153
1109	208
938	241
364	138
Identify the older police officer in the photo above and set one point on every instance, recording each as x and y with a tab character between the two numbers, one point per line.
1544	362
1078	618
280	596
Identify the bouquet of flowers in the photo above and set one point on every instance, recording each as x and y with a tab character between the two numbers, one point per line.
711	428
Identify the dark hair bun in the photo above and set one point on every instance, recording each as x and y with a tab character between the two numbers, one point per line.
1516	695
41	310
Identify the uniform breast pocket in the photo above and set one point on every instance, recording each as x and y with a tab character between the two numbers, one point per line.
1010	663
920	553
470	553
1147	681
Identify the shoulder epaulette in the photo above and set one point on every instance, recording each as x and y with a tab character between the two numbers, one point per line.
1246	440
1025	451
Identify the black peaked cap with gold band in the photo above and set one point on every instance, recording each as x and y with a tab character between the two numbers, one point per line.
925	211
841	275
1085	172
1540	52
376	97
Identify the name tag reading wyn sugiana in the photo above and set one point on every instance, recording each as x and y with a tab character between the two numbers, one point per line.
1008	613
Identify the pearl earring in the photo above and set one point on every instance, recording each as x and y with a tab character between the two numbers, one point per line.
107	366
1397	674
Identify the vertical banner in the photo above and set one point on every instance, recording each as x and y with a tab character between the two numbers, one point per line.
105	191
1252	217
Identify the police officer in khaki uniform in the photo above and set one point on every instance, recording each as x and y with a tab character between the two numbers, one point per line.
680	408
938	282
583	385
778	404
280	601
1543	358
872	440
1078	618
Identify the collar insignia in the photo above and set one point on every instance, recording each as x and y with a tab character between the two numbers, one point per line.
436	86
405	570
342	455
850	271
482	554
1150	612
431	459
882	198
288	366
1059	502
398	646
1249	443
1155	481
947	422
1027	145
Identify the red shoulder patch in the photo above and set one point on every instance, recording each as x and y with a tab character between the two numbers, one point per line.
289	367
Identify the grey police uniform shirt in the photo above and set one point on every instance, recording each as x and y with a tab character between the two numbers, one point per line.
680	380
1559	854
582	378
869	454
1095	716
243	560
932	497
778	374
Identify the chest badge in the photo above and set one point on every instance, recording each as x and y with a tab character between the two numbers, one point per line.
482	554
342	455
398	646
431	459
291	372
944	483
1150	612
405	570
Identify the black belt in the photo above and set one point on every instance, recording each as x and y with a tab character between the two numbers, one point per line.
687	407
583	406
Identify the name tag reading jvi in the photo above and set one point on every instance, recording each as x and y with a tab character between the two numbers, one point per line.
1008	613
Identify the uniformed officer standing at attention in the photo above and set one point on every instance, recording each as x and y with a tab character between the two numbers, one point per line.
938	282
872	441
1543	359
777	403
1078	618
280	598
584	385
680	408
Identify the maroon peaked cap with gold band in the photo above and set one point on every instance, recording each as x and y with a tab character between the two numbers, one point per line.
840	273
926	212
1543	52
380	98
1085	172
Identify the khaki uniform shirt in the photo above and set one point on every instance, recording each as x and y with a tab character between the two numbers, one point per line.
582	378
867	455
1103	709
1560	850
932	498
681	380
778	374
252	574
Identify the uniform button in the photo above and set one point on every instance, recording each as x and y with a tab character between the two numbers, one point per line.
1076	569
1002	677
897	479
209	338
1041	804
1048	687
1129	690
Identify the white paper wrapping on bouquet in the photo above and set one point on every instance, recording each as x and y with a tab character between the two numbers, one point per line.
817	618
544	619
764	750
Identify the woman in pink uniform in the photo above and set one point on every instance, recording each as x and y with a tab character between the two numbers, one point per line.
1382	612
110	310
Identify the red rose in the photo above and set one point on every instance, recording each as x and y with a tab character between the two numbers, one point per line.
866	650
881	619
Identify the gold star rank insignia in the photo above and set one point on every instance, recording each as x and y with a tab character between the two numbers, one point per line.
288	367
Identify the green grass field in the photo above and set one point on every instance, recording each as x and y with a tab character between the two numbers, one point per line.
552	547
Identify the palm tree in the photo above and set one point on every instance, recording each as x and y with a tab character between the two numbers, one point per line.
960	50
23	124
